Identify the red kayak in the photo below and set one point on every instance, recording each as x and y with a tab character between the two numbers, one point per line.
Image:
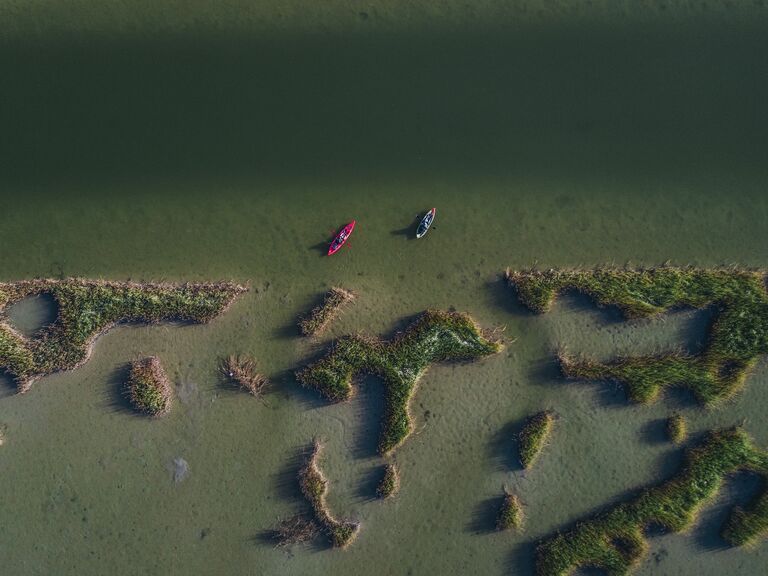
341	238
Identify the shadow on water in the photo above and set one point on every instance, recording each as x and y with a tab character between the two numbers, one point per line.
409	231
503	447
522	559
369	413
484	516
33	313
739	490
504	296
211	103
118	397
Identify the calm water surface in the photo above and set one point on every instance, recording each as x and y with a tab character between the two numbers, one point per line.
190	144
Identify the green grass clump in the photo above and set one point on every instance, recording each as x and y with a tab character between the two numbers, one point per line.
534	435
435	337
390	482
148	387
87	308
313	487
737	337
677	428
510	513
320	316
615	541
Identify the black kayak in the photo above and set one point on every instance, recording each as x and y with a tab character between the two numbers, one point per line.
425	223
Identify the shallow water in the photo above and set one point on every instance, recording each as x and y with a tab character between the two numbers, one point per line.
134	148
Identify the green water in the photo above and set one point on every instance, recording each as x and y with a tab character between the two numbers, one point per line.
193	142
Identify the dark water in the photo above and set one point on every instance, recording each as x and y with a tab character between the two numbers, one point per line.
192	142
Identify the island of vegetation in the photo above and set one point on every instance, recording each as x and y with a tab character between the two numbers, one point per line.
390	481
677	428
87	308
737	336
614	540
148	387
318	319
242	371
533	437
510	513
294	530
313	487
435	337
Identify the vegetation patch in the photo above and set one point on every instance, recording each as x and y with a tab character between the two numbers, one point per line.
390	482
294	530
148	387
314	486
534	435
434	337
510	513
677	428
87	308
243	372
736	338
318	319
615	541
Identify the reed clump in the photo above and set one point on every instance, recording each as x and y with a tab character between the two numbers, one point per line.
677	428
314	486
737	336
534	436
148	387
434	337
390	481
615	541
294	530
318	319
243	371
510	513
87	308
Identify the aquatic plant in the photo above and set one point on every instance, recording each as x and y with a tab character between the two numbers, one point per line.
434	337
313	487
87	308
320	316
294	530
615	541
390	481
510	513
242	371
533	437
677	428
737	336
148	387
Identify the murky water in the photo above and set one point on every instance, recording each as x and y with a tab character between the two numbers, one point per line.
189	146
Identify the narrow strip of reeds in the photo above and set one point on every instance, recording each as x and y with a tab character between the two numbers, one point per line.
390	481
242	371
534	435
510	513
314	487
677	428
294	530
148	388
321	316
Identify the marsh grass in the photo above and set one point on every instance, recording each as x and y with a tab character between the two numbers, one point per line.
148	388
534	436
510	513
615	541
318	319
737	336
434	337
294	530
677	428
314	487
87	308
242	371
390	482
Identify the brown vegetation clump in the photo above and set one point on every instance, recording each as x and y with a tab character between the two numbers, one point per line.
242	371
